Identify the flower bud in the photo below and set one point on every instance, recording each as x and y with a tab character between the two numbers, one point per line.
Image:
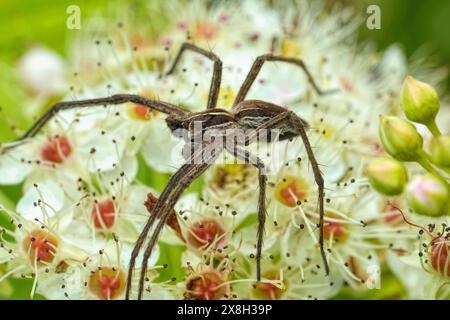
440	151
400	138
420	101
427	195
387	176
43	71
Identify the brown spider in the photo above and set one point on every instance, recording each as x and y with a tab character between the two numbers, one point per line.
253	115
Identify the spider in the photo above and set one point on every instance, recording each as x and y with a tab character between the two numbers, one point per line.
252	115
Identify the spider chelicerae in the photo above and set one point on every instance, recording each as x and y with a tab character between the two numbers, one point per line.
254	116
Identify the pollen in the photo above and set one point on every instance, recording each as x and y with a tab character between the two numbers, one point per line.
290	190
227	97
290	48
104	214
56	150
41	246
328	131
232	174
107	283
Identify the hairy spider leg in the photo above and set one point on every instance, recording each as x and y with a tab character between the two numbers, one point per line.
164	212
256	68
163	107
217	71
173	181
296	122
185	170
249	158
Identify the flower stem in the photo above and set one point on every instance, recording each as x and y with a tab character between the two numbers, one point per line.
423	161
434	129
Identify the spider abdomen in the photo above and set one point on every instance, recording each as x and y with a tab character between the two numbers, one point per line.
252	114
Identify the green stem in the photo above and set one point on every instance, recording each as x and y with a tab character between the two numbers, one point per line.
427	156
422	160
434	129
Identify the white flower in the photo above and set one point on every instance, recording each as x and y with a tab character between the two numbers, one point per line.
40	250
43	71
67	151
101	276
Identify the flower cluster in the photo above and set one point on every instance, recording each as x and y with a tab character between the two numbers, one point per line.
427	193
92	176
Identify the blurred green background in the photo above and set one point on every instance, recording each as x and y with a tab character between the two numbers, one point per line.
415	24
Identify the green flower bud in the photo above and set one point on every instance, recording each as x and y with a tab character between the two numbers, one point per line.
420	101
440	151
427	195
387	176
400	138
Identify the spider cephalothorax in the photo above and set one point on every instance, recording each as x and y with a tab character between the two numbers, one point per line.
249	118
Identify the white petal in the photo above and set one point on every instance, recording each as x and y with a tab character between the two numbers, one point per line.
12	170
136	196
107	153
51	196
128	166
161	150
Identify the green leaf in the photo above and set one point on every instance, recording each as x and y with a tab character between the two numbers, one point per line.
247	222
170	255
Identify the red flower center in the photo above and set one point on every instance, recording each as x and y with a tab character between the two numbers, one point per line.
290	190
206	30
271	291
107	283
104	214
268	291
439	257
141	112
334	229
209	286
205	232
41	245
56	150
108	286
